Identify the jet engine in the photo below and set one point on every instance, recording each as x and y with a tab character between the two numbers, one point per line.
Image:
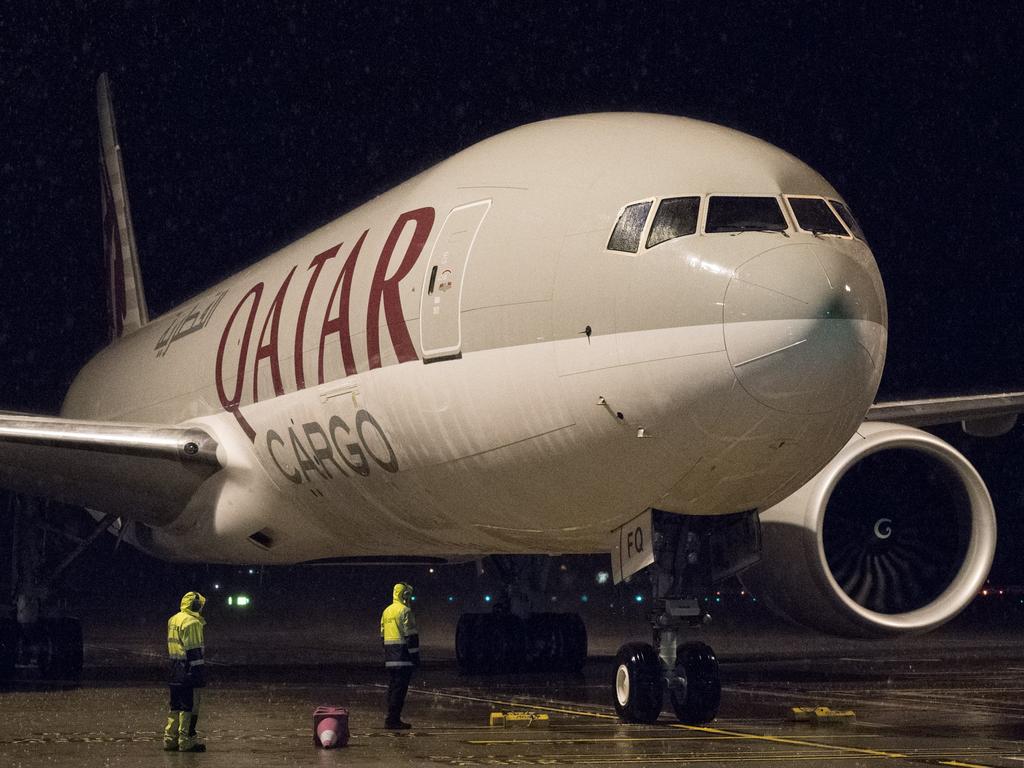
895	535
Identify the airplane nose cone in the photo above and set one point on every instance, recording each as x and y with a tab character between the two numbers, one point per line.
805	328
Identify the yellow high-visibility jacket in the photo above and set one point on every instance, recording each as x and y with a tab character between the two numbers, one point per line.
398	631
185	642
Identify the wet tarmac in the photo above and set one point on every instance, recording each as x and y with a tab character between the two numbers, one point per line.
953	698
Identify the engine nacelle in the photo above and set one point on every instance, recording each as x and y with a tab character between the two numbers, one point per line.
895	535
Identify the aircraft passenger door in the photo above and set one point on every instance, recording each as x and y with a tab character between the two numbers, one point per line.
441	300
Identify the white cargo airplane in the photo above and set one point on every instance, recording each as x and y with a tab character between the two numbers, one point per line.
626	333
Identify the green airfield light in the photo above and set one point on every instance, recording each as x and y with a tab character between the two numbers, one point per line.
239	601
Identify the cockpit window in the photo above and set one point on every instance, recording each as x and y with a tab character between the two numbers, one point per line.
744	214
676	216
814	215
848	219
630	226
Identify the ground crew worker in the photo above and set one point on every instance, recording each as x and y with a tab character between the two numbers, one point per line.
185	648
401	652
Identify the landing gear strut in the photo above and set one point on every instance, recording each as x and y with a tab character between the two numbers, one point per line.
689	555
513	638
34	629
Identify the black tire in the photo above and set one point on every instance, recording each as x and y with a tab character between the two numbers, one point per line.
555	642
466	648
490	643
697	703
574	643
548	637
8	648
638	686
504	642
542	642
60	650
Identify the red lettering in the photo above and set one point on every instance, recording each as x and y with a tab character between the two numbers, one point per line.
317	264
339	324
387	289
232	404
269	349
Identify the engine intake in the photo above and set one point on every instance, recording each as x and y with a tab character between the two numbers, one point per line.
895	535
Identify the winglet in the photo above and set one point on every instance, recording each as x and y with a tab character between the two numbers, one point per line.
126	301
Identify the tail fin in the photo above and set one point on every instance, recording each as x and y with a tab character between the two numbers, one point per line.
126	301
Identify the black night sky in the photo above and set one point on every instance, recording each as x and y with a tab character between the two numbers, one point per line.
245	126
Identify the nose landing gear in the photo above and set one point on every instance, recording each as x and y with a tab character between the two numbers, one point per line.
690	554
687	672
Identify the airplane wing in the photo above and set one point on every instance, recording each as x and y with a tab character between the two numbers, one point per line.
141	472
982	415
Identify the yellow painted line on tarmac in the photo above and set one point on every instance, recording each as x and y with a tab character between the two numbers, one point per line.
829	751
717	758
784	740
605	740
832	748
610	739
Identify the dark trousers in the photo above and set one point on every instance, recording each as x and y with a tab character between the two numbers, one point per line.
182	698
398	686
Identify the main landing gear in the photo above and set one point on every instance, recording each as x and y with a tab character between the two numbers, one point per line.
690	554
513	638
34	631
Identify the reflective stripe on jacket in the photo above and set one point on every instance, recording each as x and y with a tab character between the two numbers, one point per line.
398	632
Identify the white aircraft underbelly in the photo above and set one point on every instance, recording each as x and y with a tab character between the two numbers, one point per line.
496	451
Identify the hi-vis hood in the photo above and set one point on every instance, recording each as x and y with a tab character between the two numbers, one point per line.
402	593
189	599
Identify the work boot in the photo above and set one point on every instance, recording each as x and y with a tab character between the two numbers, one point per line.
396	725
171	732
187	741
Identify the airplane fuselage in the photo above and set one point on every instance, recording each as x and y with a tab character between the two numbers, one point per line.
464	366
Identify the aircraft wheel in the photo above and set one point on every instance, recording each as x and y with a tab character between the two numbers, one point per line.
8	648
638	683
574	642
505	640
698	702
541	642
490	643
466	648
60	650
555	642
